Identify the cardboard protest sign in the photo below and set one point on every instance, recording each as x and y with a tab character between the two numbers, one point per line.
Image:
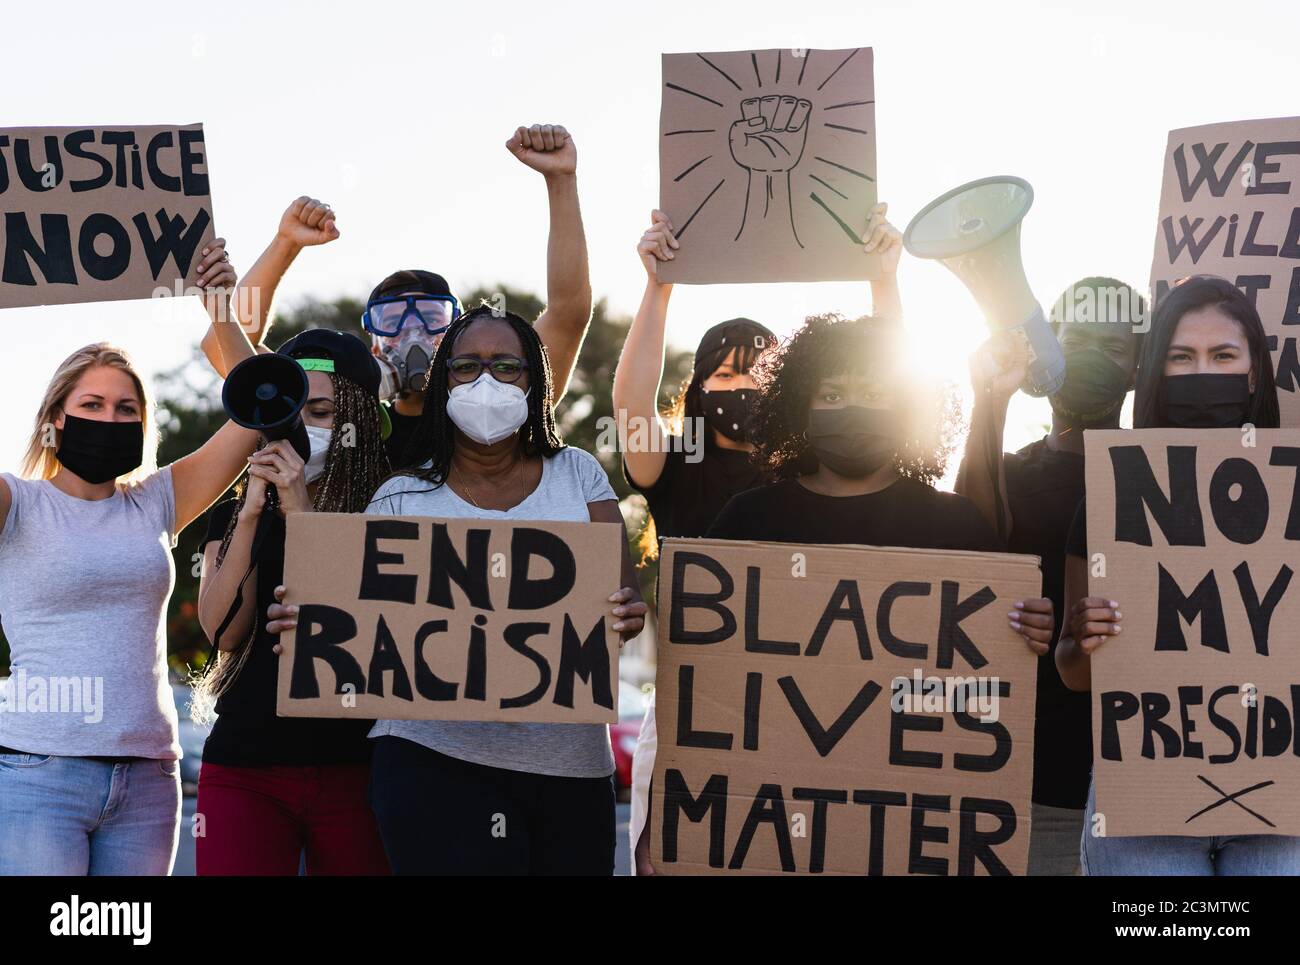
841	709
93	214
767	164
1196	702
1230	206
450	619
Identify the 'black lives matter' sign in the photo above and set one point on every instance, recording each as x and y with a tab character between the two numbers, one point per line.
90	214
841	709
450	619
1196	702
1230	206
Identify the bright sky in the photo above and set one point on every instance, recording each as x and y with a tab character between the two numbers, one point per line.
396	114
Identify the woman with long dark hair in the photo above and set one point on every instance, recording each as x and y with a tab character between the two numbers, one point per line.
855	442
487	447
1205	365
272	788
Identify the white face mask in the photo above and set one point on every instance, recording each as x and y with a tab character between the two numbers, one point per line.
487	410
320	449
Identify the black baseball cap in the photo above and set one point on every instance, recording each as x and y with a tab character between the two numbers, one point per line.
411	280
325	350
733	333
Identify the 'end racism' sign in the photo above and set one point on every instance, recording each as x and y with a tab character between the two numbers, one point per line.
1230	206
92	214
450	619
837	709
1196	702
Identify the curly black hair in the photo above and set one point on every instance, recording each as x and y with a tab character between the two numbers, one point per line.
830	345
434	438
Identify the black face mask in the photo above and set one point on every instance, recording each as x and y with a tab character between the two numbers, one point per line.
726	410
854	441
1206	401
100	451
1094	387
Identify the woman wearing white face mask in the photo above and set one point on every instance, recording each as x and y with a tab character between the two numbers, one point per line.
489	450
272	787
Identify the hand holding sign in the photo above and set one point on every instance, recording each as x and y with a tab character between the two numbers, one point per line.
308	222
1093	621
657	243
216	278
547	148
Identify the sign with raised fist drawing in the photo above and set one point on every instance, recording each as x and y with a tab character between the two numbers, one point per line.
767	164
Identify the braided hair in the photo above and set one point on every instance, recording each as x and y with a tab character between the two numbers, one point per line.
356	464
434	438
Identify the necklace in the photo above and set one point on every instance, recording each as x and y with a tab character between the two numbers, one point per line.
465	485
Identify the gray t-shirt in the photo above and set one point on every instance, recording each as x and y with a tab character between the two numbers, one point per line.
83	595
570	480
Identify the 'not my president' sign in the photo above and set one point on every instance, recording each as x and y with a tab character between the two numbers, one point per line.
91	214
1196	702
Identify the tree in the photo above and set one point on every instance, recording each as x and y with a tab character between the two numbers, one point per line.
189	412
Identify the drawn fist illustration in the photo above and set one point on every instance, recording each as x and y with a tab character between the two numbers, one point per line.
772	136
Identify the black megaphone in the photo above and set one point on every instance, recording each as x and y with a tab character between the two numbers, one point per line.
266	393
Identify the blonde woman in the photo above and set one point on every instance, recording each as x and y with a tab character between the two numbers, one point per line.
88	748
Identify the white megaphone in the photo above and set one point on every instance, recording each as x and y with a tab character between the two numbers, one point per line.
975	231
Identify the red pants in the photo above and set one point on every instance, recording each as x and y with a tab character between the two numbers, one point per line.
259	821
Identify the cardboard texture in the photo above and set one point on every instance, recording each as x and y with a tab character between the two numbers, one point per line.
767	164
1230	206
96	214
787	748
450	619
1196	700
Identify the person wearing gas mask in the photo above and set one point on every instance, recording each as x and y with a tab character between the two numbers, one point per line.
488	448
854	443
89	783
409	311
272	787
1205	365
1097	321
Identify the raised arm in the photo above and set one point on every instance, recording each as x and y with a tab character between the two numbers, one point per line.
997	369
641	365
563	325
304	223
881	237
199	478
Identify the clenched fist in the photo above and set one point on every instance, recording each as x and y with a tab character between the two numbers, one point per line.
772	136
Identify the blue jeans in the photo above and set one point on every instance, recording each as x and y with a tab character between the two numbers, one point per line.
75	816
1169	854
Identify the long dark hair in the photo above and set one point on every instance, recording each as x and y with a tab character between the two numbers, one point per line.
1203	291
829	345
434	438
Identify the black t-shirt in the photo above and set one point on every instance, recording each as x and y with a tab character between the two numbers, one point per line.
403	429
247	732
687	496
1044	487
907	513
1077	543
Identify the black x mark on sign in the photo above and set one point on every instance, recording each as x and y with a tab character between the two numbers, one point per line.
1225	798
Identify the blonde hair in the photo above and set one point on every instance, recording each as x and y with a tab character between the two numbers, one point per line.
40	461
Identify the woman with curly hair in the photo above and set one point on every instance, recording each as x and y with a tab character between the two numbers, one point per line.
854	443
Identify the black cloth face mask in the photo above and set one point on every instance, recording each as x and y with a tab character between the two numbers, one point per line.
1094	387
99	451
1206	401
854	441
727	409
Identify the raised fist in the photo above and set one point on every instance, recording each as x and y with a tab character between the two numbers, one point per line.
772	136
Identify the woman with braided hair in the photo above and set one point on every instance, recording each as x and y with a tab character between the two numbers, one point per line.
272	787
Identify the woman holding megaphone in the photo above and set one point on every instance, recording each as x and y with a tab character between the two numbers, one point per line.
271	787
1205	364
88	732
